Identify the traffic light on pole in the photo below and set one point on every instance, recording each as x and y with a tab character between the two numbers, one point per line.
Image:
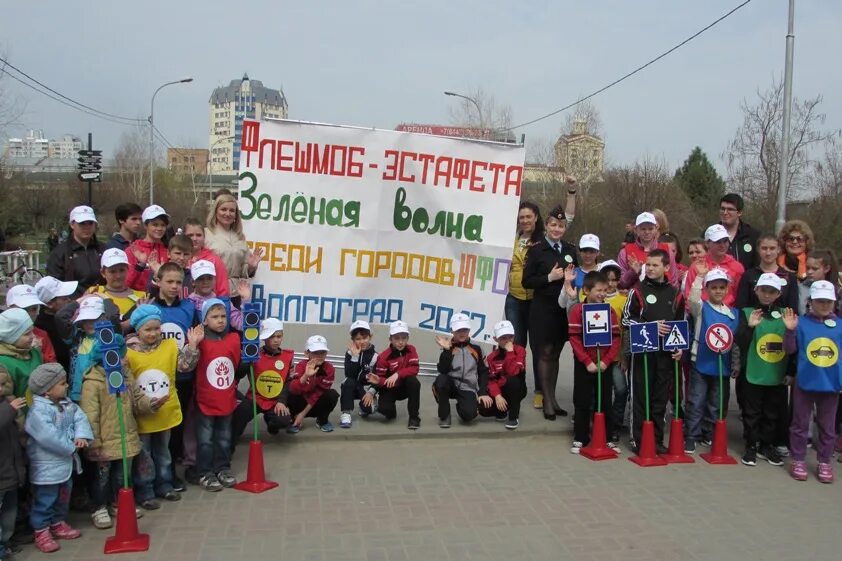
111	361
250	344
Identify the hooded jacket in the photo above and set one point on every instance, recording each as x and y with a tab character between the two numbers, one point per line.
52	429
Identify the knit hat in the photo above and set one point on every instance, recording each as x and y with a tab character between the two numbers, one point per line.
14	323
45	377
143	314
210	303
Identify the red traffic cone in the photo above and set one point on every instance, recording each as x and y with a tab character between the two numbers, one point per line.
646	456
597	449
675	454
256	479
719	451
127	539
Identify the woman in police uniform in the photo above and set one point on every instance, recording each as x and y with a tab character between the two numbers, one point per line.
544	274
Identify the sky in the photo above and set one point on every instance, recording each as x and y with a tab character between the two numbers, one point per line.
377	64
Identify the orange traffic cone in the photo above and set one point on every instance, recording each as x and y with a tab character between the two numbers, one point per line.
597	449
675	454
646	456
127	539
256	478
719	451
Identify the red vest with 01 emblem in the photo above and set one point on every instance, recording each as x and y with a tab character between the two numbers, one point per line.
216	383
270	375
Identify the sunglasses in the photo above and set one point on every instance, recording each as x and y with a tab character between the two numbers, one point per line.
795	239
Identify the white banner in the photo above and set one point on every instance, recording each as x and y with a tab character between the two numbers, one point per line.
379	225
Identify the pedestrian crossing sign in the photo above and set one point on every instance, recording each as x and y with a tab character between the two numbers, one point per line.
678	337
644	337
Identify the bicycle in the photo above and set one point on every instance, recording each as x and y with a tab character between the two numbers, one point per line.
22	274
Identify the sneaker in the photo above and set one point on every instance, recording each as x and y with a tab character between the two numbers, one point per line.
538	401
614	446
660	449
512	424
615	437
226	478
345	420
101	519
577	447
501	417
209	482
44	541
150	504
770	454
293	429
191	475
689	446
824	472
444	423
112	511
63	531
414	423
750	456
798	470
178	485
706	442
326	427
171	495
782	451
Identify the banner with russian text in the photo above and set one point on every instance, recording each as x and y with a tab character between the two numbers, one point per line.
379	225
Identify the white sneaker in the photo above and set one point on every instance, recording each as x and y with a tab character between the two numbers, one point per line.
345	420
782	451
101	519
577	446
613	446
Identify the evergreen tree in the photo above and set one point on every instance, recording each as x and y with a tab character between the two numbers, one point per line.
700	181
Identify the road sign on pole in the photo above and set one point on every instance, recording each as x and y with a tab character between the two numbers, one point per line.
719	338
90	167
644	337
596	325
678	337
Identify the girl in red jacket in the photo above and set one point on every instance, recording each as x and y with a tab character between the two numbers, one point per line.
506	384
148	253
310	390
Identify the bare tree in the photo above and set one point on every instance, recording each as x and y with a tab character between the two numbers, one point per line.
486	114
586	112
753	155
11	107
131	163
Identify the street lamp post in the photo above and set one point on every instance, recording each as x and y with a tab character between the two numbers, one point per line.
152	135
472	100
210	164
783	167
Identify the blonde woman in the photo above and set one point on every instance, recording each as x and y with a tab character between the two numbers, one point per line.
224	236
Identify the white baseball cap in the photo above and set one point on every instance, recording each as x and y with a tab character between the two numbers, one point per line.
91	307
460	321
645	218
715	275
502	328
22	296
608	263
201	268
114	256
397	327
152	212
716	233
771	280
360	324
49	288
269	326
822	290
316	343
589	241
82	214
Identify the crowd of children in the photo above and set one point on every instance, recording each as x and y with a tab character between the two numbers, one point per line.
180	340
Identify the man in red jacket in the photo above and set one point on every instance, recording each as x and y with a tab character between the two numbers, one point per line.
396	376
310	390
506	384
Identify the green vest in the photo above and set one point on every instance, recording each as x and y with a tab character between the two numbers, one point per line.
766	363
20	370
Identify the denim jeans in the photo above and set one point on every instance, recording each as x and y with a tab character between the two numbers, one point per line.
153	466
8	513
702	403
107	479
517	312
50	504
213	443
621	395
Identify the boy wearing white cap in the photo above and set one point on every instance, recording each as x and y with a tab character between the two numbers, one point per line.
702	403
310	390
77	258
463	374
55	294
203	274
717	243
396	376
632	256
816	340
24	296
360	359
588	255
271	372
148	253
115	271
760	337
506	376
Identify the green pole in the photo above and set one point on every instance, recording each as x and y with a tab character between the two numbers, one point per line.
123	441
253	400
721	396
677	383
646	382
598	381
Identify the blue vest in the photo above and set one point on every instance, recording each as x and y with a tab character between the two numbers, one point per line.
707	361
819	368
177	320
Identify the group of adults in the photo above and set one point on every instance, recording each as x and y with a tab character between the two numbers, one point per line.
221	239
541	253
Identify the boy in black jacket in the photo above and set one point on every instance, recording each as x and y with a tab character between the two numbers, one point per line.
463	374
360	359
654	299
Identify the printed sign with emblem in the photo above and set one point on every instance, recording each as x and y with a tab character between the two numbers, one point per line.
596	325
719	338
220	373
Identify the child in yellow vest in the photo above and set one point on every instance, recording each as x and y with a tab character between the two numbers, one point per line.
155	361
617	299
115	270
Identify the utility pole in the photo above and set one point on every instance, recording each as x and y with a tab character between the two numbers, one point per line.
783	166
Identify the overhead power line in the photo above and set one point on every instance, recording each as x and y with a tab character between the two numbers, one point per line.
633	72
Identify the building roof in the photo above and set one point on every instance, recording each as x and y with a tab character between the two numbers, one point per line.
262	94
